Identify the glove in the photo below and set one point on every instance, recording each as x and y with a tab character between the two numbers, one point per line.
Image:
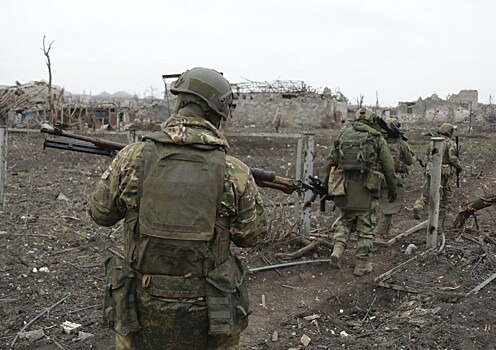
392	195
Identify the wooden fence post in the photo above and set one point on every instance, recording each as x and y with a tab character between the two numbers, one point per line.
435	186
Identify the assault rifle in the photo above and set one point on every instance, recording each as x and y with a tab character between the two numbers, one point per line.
263	178
391	130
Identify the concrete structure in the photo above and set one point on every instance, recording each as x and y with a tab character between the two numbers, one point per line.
303	111
457	108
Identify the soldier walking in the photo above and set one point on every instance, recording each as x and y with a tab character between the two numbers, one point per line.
450	166
402	158
183	201
354	171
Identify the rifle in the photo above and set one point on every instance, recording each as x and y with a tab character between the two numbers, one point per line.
457	154
262	177
391	130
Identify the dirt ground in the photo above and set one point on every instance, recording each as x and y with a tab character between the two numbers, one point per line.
52	264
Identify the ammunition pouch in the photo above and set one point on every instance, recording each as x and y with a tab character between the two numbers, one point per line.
373	183
120	310
336	184
227	298
357	197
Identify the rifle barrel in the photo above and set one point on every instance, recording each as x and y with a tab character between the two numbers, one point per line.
45	128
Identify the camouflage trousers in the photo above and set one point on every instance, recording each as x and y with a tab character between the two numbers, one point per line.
171	325
361	222
446	193
387	210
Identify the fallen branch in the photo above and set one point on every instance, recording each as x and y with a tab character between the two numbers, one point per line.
293	263
395	269
418	291
309	245
469	210
482	285
37	317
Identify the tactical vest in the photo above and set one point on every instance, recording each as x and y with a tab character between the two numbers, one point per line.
356	151
395	149
177	237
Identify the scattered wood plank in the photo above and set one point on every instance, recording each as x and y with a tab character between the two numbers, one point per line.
408	232
395	269
482	285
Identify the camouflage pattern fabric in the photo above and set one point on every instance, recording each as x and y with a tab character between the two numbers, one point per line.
451	164
446	193
173	325
403	157
117	192
364	223
387	210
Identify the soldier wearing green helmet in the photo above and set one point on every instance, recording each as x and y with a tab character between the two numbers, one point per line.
450	166
183	201
354	170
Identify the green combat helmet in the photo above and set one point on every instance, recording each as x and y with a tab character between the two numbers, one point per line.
365	113
446	129
209	85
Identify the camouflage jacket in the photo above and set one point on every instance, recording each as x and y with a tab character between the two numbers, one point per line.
117	190
449	156
402	155
384	158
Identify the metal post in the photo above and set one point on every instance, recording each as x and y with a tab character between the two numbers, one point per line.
435	186
308	171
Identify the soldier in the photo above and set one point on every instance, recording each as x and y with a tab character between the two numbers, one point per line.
450	166
183	201
354	171
402	157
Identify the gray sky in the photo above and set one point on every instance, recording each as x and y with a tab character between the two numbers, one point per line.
401	49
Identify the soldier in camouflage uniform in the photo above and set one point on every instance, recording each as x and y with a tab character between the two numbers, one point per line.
402	157
183	201
450	166
354	171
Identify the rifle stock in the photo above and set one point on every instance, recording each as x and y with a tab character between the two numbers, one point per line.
263	178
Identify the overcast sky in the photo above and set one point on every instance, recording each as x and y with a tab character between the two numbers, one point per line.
402	50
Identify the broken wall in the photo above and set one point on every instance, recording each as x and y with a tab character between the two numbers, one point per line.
306	111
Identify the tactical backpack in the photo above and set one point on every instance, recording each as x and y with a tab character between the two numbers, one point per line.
356	151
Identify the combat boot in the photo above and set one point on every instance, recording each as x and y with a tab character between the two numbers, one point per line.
337	251
416	213
362	267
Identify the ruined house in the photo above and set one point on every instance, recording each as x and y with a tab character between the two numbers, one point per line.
461	107
26	105
286	104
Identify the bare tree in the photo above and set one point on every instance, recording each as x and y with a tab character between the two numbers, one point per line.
359	100
54	108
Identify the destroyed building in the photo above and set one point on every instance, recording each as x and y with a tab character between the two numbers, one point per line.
461	107
27	105
286	104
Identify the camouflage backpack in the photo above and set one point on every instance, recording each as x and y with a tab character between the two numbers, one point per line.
356	150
